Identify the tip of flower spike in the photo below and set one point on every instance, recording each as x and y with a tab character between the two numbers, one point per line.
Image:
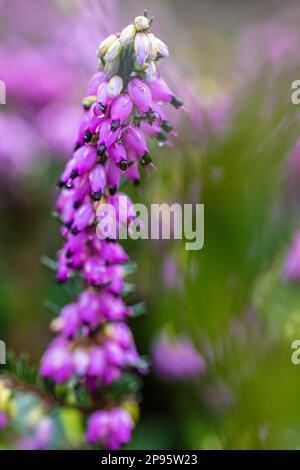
142	23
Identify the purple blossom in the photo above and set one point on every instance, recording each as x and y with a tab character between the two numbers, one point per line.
176	358
57	361
111	429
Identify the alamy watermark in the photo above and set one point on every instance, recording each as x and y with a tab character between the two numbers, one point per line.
2	352
2	92
295	357
160	221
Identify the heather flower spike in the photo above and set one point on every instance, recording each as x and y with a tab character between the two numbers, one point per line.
122	108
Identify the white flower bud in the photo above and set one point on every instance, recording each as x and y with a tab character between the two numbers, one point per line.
162	48
115	86
112	68
127	35
153	44
142	48
151	72
114	51
105	44
141	23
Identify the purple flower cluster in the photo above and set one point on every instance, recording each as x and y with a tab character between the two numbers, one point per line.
98	360
122	107
111	428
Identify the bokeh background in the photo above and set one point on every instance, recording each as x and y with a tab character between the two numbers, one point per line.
220	322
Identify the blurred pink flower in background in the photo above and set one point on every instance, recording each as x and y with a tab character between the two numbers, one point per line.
291	270
20	144
45	65
208	101
171	272
273	41
175	358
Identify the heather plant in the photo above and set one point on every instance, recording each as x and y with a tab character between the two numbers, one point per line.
91	364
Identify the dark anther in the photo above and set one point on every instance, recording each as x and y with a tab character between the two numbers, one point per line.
74	174
97	195
101	149
151	116
74	231
102	108
176	102
77	204
102	159
161	137
112	191
115	125
136	182
123	165
166	126
77	146
69	254
87	137
146	159
60	184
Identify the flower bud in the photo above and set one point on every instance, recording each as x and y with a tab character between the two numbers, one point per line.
142	48
105	45
112	68
161	91
115	86
141	23
117	153
97	179
113	175
154	46
113	51
127	35
163	50
140	94
151	72
121	108
88	101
